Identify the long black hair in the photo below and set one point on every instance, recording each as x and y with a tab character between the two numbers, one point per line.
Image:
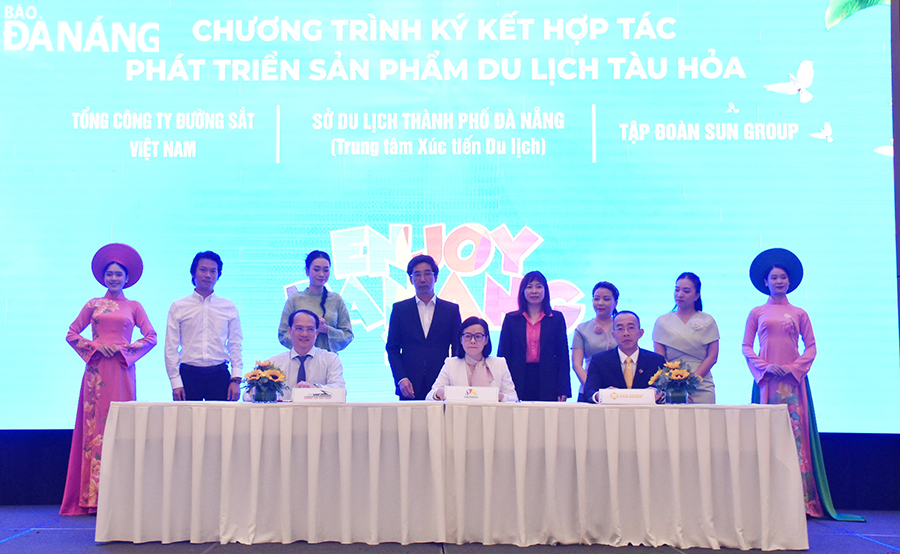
310	258
692	277
611	288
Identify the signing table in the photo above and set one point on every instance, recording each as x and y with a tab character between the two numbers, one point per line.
254	473
530	473
686	476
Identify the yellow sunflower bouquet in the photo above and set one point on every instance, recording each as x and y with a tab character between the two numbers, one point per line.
265	382
677	381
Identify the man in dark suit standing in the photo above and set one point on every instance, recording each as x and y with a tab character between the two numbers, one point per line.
421	332
626	366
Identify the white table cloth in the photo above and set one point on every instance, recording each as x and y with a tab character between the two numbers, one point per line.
234	472
686	476
530	473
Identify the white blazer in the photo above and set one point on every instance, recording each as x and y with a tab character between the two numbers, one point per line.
455	374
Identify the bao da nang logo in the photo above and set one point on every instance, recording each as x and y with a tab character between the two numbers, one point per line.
480	269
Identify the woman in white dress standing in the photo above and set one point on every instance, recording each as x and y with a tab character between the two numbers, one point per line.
689	335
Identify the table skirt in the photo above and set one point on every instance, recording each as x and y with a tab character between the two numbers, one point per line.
686	476
226	472
409	472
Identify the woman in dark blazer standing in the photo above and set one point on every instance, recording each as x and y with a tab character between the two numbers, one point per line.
533	341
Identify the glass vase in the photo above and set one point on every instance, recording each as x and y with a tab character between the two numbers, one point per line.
265	396
676	396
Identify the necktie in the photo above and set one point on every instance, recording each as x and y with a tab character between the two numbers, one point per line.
301	374
629	372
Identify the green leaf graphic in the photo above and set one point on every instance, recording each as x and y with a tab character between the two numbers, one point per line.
838	10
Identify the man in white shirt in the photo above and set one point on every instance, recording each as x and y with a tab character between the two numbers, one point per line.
203	335
306	365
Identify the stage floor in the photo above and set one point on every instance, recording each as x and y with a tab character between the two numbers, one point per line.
40	530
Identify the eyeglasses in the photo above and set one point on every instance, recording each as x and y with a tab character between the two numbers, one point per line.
478	337
301	329
419	274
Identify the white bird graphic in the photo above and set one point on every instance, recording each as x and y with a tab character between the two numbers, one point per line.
886	150
824	133
798	84
731	108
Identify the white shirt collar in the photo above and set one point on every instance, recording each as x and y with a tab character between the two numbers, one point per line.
634	356
311	353
431	302
197	296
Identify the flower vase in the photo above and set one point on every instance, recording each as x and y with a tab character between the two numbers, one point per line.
265	396
676	396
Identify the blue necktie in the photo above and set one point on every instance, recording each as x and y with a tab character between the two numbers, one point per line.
301	374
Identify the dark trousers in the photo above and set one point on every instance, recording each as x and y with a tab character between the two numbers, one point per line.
205	383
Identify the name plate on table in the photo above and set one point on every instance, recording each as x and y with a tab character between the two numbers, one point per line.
628	396
317	395
472	394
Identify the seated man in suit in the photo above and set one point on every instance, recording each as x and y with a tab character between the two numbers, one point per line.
626	366
421	331
306	365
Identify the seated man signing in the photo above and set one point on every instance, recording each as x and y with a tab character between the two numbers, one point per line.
623	367
305	365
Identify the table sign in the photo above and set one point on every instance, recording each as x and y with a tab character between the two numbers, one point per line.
628	396
472	394
318	396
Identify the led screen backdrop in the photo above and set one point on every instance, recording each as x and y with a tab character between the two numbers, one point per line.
626	142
